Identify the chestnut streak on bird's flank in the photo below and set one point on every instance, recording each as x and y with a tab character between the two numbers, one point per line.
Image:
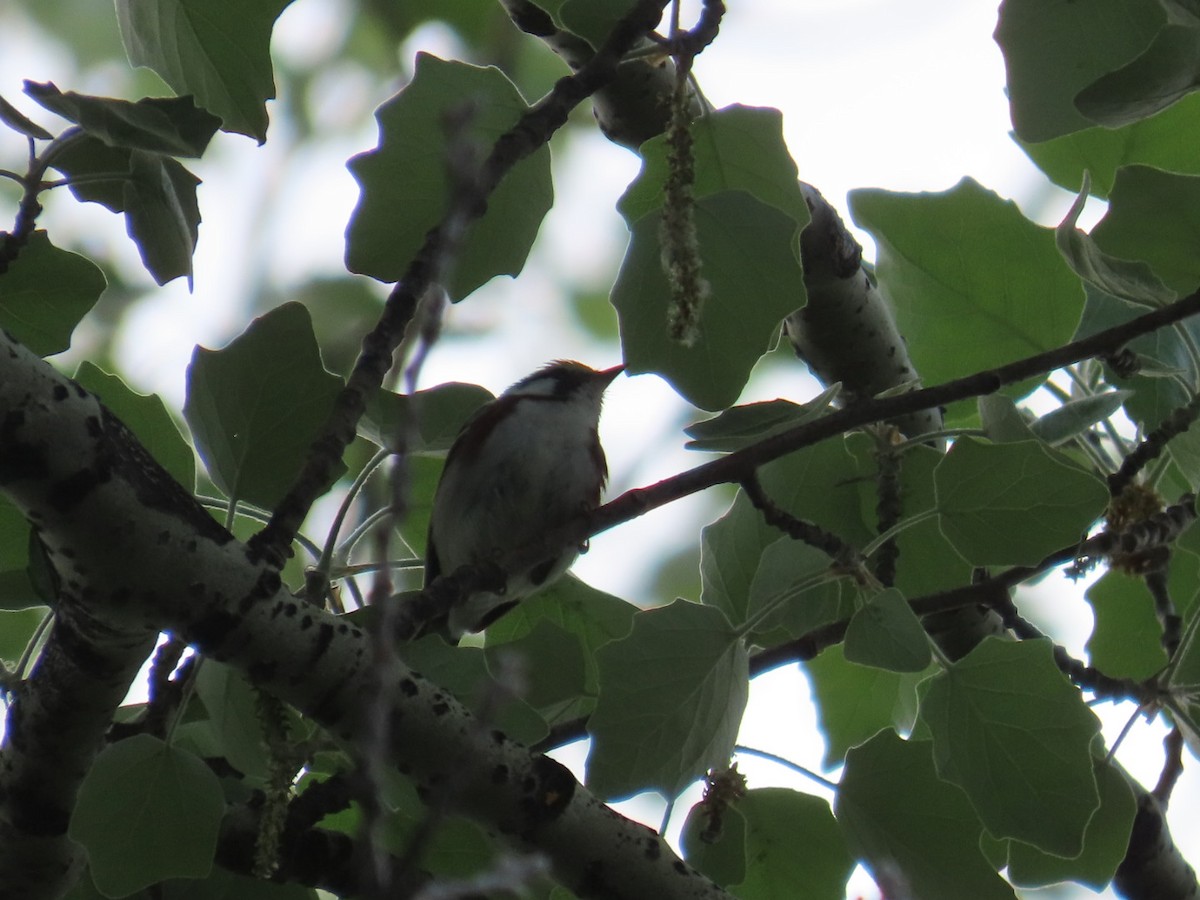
525	463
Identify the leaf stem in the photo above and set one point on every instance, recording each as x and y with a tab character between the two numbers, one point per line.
902	525
787	764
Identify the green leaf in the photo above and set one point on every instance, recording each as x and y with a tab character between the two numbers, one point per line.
1164	141
156	193
776	862
1151	217
738	148
218	50
730	550
733	546
44	294
162	215
834	470
547	665
146	794
897	814
1013	504
721	856
794	580
463	671
672	695
1183	685
1002	420
22	124
1167	71
232	705
457	848
1077	416
1126	640
1052	51
1163	355
423	422
740	426
1010	730
171	125
1134	282
406	189
748	250
256	405
589	19
1105	842
590	617
749	208
424	472
16	590
974	283
17	628
147	417
886	633
96	172
854	703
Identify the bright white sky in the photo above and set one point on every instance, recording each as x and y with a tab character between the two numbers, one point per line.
900	94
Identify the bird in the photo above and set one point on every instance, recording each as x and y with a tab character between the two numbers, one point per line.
523	464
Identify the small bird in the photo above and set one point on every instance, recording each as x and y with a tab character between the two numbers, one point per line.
523	464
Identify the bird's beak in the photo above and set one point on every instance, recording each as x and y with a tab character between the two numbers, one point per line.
607	375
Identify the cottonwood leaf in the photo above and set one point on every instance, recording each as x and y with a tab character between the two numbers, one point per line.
973	282
218	50
1167	71
672	695
175	126
749	206
896	812
1126	639
721	853
1052	51
581	614
1076	416
1012	504
156	193
143	793
748	249
793	581
1002	420
1164	141
1011	731
405	187
886	633
147	417
1134	282
21	123
1151	218
738	148
855	702
45	293
232	705
776	862
740	426
424	422
1105	842
256	405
